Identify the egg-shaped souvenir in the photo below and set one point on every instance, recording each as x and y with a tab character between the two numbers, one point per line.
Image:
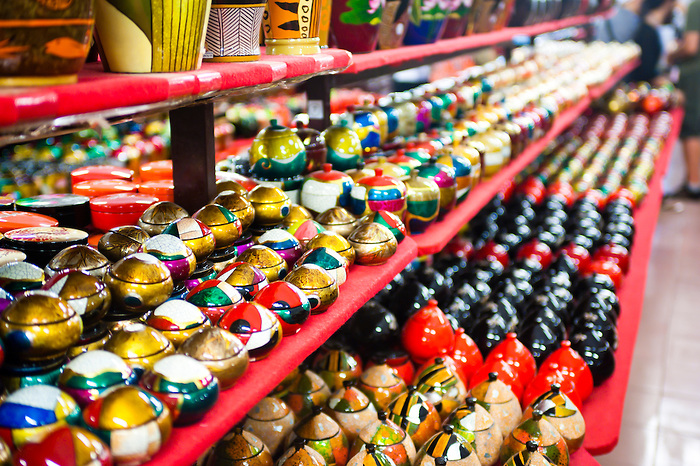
78	257
225	226
427	333
329	260
445	178
389	220
381	384
289	303
284	243
378	192
300	454
338	220
139	346
500	402
422	203
184	385
239	205
271	205
406	163
173	253
351	409
177	320
408	114
387	168
157	217
374	244
297	213
531	456
86	294
307	390
439	380
344	148
389	438
317	284
242	448
371	456
195	234
336	367
332	240
563	414
220	351
29	414
271	421
232	181
305	230
366	126
138	283
452	448
324	435
134	423
88	376
462	167
277	152
63	446
214	297
551	443
256	326
267	260
325	189
120	242
416	415
475	424
17	277
246	278
39	326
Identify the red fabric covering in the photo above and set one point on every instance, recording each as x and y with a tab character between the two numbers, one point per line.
582	458
188	443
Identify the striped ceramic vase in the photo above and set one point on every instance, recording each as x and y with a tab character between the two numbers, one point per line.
234	30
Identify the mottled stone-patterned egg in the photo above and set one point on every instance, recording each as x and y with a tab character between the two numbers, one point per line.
306	391
267	260
214	297
439	381
256	326
244	277
452	448
196	236
352	410
288	302
224	224
17	277
324	435
475	424
158	216
271	421
86	294
551	443
389	438
173	253
338	366
139	346
301	455
500	402
562	413
242	448
381	384
284	243
78	257
177	320
329	260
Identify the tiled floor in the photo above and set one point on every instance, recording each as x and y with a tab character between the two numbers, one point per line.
661	421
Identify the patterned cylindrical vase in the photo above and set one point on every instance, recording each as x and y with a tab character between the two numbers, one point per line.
394	23
291	27
233	33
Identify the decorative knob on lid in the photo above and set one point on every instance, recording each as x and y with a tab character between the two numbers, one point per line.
411	388
348	383
448	429
536	415
371	448
493	376
378	172
299	443
316	410
381	415
531	446
439	360
556	388
440	461
471	403
327	167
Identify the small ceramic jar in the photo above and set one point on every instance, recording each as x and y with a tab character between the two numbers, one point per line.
284	243
381	385
256	326
462	167
71	210
325	189
351	409
277	152
158	216
439	380
318	285
289	303
476	425
267	261
301	455
500	402
220	351
177	320
116	210
213	298
389	220
78	257
244	277
305	231
338	220
173	253
29	414
451	448
121	241
240	447
41	244
133	422
271	421
344	148
324	435
223	223
332	240
414	413
563	414
422	203
66	445
297	213
551	443
88	376
93	337
378	192
388	168
445	178
271	205
138	283
307	390
374	244
86	294
139	346
329	260
388	438
239	205
196	236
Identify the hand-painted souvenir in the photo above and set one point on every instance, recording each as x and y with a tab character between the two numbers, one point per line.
563	414
267	261
305	231
17	277
381	385
445	178
195	234
422	203
173	253
16	375
551	443
240	447
88	376
78	257
306	391
220	351
515	354
297	213
93	338
271	421
239	205
427	333
256	326
351	409
284	243
300	454
447	448
416	415
389	220
11	255
271	205
67	445
184	385
366	126
476	425
317	284
203	272
325	189
138	283
396	359
500	402
329	260
462	167
116	210
338	366
157	217
344	146
374	244
41	244
39	326
277	152
531	456
338	220
213	298
289	303
360	172
71	210
244	277
29	414
139	346
387	168
324	435
177	320
223	223
134	423
86	294
378	192
406	163
370	455
121	241
389	438
439	381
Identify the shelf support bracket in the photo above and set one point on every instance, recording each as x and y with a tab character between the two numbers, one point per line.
193	154
318	97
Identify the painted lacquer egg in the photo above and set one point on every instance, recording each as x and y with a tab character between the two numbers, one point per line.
244	277
17	277
220	351
444	177
67	445
329	260
256	326
324	435
283	243
374	244
196	236
267	261
389	438
177	320
214	298
352	410
325	189
337	219
239	205
138	283
381	384
422	203
173	253
86	294
271	204
78	257
389	220
454	449
318	285
271	421
475	424
120	242
332	240
344	148
440	382
297	213
414	413
289	303
306	391
305	230
224	224
563	414
371	456
338	366
551	443
500	402
378	192
139	346
300	454
242	448
158	216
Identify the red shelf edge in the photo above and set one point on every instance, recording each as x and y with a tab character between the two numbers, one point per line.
187	444
604	409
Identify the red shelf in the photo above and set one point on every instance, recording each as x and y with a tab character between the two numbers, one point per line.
186	444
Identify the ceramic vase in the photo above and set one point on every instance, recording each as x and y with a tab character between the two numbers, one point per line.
233	33
457	19
44	42
428	20
292	27
395	17
145	36
355	24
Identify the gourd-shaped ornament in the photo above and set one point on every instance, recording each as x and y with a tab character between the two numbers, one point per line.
475	424
551	443
500	402
414	413
447	448
388	438
277	152
307	390
563	414
381	384
439	381
271	421
351	409
240	447
531	456
324	435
